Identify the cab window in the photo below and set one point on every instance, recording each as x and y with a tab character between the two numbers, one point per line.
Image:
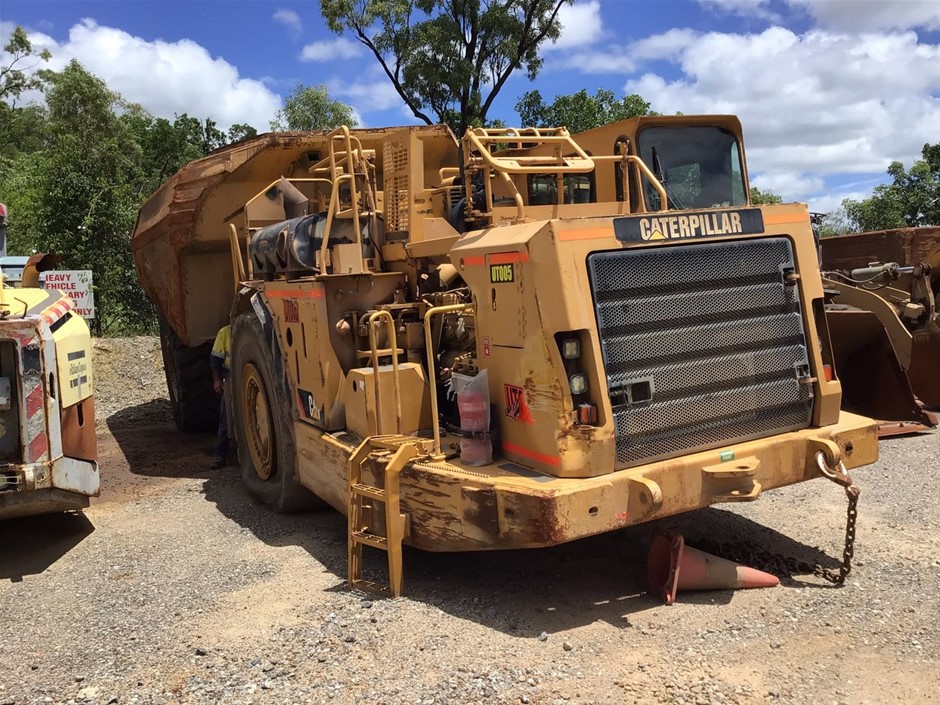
577	188
698	166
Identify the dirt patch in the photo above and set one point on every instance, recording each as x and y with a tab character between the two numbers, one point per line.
128	374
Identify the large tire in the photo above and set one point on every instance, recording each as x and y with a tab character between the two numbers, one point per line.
261	404
189	382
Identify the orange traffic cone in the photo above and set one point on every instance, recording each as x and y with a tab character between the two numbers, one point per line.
672	566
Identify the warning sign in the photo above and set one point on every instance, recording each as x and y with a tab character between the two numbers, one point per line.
77	285
516	407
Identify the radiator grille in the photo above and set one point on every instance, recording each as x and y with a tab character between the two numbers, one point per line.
703	345
395	179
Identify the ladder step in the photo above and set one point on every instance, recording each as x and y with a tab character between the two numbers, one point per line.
368	539
395	451
369	491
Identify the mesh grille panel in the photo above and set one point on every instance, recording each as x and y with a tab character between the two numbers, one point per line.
703	345
720	304
717	372
701	340
395	179
689	266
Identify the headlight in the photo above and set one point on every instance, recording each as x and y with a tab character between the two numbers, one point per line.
571	348
578	383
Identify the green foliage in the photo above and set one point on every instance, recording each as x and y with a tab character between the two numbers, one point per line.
81	202
579	111
17	75
75	170
911	200
311	108
449	58
836	223
240	131
760	198
20	127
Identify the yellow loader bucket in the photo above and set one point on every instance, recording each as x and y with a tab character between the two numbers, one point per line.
873	382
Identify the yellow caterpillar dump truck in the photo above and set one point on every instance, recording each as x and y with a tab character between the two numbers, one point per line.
887	283
514	342
48	448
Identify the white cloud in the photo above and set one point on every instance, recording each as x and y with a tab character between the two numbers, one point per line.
368	95
791	186
330	50
166	78
868	15
843	15
598	62
580	25
288	18
817	103
756	9
832	202
662	46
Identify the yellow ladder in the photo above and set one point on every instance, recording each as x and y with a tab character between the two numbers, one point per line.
396	452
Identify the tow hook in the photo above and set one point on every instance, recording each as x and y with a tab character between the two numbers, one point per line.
835	472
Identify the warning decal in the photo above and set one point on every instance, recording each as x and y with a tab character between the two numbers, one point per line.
516	407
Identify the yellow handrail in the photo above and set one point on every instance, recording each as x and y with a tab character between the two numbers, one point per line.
432	377
238	265
393	343
579	163
355	161
641	165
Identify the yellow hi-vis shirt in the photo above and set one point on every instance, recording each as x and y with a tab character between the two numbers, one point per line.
221	357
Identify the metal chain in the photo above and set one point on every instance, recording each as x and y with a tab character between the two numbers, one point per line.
786	566
852	492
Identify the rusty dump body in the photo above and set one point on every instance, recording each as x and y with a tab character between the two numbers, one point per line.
887	284
652	342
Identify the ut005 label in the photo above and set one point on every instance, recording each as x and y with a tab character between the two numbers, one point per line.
502	273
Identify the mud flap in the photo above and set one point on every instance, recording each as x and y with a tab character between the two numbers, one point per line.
873	382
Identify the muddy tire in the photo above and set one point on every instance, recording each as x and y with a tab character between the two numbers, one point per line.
189	382
260	400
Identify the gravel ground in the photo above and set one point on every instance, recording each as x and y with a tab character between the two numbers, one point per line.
128	375
175	587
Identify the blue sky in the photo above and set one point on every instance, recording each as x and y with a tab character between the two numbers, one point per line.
829	91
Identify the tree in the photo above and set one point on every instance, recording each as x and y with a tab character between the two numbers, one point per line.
20	127
911	200
241	131
449	58
77	172
203	136
19	74
579	111
80	200
835	223
311	108
768	197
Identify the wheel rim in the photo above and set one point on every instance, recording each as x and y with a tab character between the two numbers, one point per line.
259	429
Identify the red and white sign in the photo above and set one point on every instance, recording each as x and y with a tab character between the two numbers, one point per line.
77	285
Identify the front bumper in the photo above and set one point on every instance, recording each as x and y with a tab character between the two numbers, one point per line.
454	508
40	488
